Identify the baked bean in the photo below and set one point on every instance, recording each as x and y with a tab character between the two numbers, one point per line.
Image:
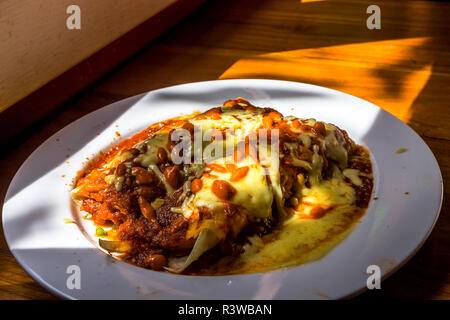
146	209
149	193
135	152
267	122
196	185
223	189
214	113
142	176
121	169
274	115
305	128
162	155
317	212
128	181
143	148
170	143
319	128
230	167
239	174
296	124
229	103
155	261
173	176
189	127
293	202
216	167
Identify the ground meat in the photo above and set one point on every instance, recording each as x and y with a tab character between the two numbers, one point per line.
174	236
119	201
360	160
164	214
151	240
138	229
102	214
363	192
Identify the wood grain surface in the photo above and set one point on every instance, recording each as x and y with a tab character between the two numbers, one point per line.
404	68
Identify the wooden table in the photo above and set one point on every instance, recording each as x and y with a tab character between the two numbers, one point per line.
404	68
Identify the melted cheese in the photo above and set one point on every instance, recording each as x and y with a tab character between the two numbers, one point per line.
334	147
150	157
241	121
253	192
353	176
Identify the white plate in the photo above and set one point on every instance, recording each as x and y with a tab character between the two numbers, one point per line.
392	230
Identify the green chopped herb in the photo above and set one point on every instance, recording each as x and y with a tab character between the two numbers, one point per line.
400	150
100	232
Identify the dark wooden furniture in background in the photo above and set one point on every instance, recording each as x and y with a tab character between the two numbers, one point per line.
404	68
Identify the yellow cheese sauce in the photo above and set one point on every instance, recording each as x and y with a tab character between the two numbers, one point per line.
299	239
